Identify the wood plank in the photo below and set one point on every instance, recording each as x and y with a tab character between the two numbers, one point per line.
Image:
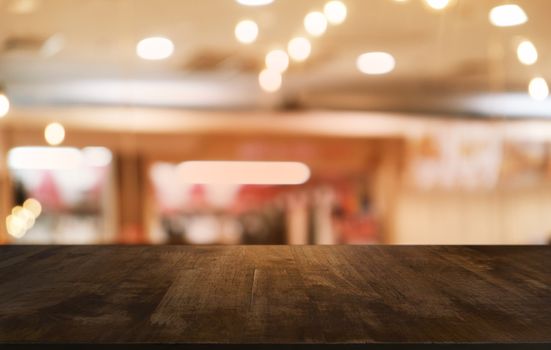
351	296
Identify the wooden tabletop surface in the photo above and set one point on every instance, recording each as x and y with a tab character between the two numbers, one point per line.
359	296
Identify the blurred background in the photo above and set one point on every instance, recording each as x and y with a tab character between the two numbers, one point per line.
363	121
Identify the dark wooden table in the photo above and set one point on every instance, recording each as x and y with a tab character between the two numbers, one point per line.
257	297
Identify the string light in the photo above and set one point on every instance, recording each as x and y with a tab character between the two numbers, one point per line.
299	49
335	11
277	60
269	80
315	23
54	134
246	31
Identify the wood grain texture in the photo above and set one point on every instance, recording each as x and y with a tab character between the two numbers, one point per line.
347	295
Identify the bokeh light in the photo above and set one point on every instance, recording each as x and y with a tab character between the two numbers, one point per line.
527	53
299	49
375	63
246	31
507	15
315	23
277	60
155	48
269	80
335	11
54	134
538	89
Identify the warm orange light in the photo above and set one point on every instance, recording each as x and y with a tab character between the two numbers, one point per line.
277	60
33	206
54	134
299	49
246	31
269	80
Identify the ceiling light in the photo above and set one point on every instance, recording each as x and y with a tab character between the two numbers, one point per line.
246	31
155	48
335	11
527	53
299	49
437	4
255	2
54	134
277	60
375	63
269	80
315	23
538	89
4	105
244	172
507	15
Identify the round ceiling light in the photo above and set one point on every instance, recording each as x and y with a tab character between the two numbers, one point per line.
246	31
375	63
299	49
54	134
277	60
155	48
335	11
507	15
315	23
269	80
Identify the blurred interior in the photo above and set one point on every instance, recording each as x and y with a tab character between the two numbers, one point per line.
415	122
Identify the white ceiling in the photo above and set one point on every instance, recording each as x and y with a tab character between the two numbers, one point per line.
456	52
